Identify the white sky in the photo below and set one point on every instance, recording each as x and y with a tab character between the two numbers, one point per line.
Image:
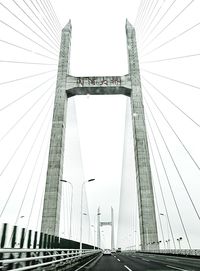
99	48
100	28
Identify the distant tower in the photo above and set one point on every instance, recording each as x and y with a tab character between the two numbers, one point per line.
105	223
129	85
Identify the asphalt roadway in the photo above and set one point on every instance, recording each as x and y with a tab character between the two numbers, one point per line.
145	262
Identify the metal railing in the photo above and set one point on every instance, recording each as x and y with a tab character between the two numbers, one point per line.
17	237
184	252
31	259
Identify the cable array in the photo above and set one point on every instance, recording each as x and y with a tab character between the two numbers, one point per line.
30	44
30	41
168	53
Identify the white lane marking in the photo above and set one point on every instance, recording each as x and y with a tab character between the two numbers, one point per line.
176	268
86	264
118	260
174	260
127	268
145	260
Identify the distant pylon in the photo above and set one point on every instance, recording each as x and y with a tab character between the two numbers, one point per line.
105	223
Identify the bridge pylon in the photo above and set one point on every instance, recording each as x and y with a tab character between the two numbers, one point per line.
129	85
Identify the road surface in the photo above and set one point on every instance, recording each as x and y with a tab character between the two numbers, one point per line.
145	262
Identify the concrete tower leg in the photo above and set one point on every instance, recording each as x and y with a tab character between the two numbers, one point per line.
52	197
147	217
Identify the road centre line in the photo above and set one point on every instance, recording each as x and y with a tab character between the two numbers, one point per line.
174	260
118	260
127	268
176	268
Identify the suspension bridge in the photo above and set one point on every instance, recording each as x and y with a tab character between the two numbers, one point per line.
68	190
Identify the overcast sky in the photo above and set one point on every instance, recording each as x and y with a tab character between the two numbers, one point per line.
99	48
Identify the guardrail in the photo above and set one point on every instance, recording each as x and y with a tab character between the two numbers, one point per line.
185	252
31	259
17	237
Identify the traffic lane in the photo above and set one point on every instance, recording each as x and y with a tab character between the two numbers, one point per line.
136	263
109	263
120	262
142	262
181	262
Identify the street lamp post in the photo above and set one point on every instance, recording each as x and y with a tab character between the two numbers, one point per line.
98	228
135	241
159	242
167	225
179	241
95	231
70	227
81	213
94	235
168	243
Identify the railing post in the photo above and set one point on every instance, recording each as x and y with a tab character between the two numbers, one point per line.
29	239
45	241
22	238
48	241
3	237
52	241
35	240
13	241
56	242
41	240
